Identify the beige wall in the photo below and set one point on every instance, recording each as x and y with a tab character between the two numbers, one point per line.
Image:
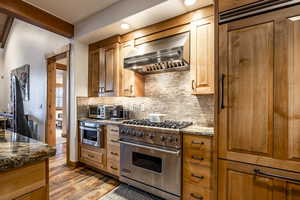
28	44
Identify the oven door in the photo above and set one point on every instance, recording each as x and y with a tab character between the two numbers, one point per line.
91	136
159	168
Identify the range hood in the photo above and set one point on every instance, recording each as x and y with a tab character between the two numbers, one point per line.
163	55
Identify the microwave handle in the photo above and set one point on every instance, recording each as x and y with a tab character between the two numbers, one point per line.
150	148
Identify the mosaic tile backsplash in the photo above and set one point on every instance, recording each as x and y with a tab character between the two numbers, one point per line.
166	93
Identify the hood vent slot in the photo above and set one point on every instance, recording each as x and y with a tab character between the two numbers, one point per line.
163	55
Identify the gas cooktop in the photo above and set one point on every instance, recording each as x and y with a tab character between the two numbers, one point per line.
165	124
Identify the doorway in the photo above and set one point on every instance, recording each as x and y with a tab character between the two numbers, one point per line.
57	125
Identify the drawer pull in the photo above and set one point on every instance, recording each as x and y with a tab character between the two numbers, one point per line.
196	196
260	173
113	168
91	156
115	141
199	177
197	158
113	130
197	143
114	154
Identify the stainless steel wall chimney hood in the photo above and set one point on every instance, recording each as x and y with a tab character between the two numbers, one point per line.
163	55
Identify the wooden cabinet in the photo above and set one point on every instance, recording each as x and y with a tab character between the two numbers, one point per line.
92	156
113	150
225	5
35	195
133	83
197	167
238	181
202	56
104	71
259	90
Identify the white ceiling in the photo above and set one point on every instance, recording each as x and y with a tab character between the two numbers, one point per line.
158	13
72	11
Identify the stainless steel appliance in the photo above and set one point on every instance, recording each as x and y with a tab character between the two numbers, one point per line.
258	7
163	55
100	111
151	156
117	112
91	133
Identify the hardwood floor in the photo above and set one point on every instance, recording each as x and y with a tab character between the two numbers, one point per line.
76	183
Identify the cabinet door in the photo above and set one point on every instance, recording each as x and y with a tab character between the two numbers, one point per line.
93	82
259	70
202	56
35	195
133	83
247	64
108	70
287	92
238	181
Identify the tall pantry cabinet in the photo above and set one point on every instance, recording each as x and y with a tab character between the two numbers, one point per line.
259	111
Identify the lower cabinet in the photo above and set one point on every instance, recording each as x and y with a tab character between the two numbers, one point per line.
113	150
197	167
94	157
239	181
35	195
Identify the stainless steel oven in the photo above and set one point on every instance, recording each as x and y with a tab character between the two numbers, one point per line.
153	169
91	133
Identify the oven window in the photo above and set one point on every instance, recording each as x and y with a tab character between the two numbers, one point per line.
90	135
147	162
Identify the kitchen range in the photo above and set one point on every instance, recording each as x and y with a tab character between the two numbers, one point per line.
151	155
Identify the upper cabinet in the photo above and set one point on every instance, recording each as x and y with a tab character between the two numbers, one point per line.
202	56
259	89
104	71
225	5
133	83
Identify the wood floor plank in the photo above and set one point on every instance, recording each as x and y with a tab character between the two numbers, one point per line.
68	183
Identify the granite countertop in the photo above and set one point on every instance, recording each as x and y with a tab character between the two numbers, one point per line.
197	130
17	150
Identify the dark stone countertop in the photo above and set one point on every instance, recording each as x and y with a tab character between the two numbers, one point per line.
17	150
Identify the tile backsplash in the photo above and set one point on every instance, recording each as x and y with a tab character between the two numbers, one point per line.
167	93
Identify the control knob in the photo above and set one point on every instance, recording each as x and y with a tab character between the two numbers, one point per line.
162	138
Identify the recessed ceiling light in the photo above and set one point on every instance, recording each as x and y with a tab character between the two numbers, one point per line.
189	2
125	26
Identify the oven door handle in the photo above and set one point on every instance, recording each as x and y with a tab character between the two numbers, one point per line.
150	148
88	129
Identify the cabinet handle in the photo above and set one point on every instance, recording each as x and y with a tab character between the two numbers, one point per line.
199	177
197	158
196	196
115	141
199	143
113	153
260	173
114	168
91	156
131	89
113	130
193	81
222	91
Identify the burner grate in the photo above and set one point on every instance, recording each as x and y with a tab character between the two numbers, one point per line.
165	124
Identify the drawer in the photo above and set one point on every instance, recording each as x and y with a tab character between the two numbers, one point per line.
113	150
93	156
112	133
194	192
196	174
197	143
200	158
113	166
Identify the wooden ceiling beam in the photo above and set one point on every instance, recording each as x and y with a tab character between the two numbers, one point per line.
6	30
36	16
